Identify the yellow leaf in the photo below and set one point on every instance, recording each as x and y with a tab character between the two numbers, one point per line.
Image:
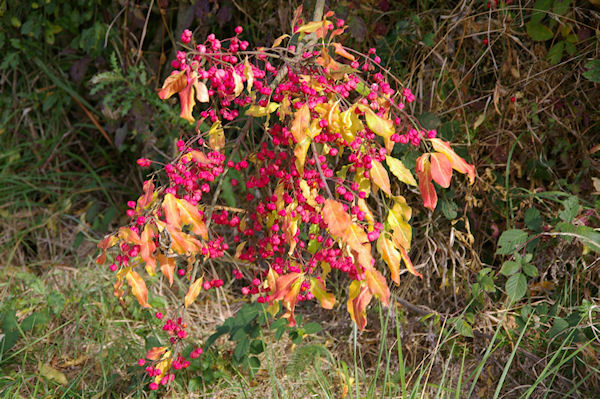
300	123
182	243
315	26
401	172
317	287
52	374
193	292
300	152
380	177
380	126
362	204
239	84
248	74
171	211
391	256
216	135
163	366
138	287
278	41
257	111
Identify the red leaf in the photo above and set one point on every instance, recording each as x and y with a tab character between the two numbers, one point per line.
187	101
458	164
148	196
156	352
147	248
359	297
108	242
425	185
441	170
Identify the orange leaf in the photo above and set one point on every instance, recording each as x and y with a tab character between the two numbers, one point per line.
167	267
187	101
106	243
425	185
147	248
391	256
408	263
300	123
377	285
287	287
138	287
458	164
317	287
190	215
173	84
340	50
129	236
182	243
359	297
380	177
193	292
337	219
148	196
171	210
441	170
156	352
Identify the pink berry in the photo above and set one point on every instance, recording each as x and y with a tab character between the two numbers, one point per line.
141	362
153	386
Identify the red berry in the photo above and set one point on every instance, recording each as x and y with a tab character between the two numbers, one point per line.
486	41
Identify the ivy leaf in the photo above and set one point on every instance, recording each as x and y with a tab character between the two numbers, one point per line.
401	172
510	240
516	287
193	292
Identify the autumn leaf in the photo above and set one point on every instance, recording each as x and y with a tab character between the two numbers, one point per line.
380	126
362	204
190	215
163	366
340	50
108	242
257	111
377	285
148	196
167	267
156	352
173	84
337	219
171	210
138	287
390	255
238	84
187	101
216	136
147	248
425	185
380	177
287	287
182	243
300	152
201	91
359	297
408	263
401	172
193	292
278	41
441	170
248	74
300	123
402	232
317	287
129	236
458	164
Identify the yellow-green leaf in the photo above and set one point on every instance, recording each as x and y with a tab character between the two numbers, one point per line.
401	172
317	287
391	256
257	111
52	374
380	177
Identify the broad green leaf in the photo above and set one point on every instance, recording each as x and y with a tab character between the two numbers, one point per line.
533	219
571	209
540	9
510	267
516	287
510	240
555	53
538	32
561	7
558	326
312	328
463	328
593	71
530	270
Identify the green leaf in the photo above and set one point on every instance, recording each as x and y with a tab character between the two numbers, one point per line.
558	326
530	270
463	328
561	7
429	120
510	267
241	350
312	328
516	287
571	209
35	319
257	346
428	39
449	209
538	32
540	9
510	240
591	237
555	53
593	71
254	362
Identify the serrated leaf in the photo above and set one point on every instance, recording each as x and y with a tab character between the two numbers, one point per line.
510	267
516	287
463	328
530	270
510	240
533	219
570	210
592	72
555	53
401	172
558	326
193	292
